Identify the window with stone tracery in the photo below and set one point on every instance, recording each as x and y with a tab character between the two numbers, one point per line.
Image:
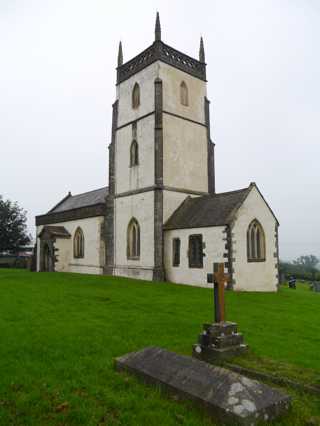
78	244
133	239
256	244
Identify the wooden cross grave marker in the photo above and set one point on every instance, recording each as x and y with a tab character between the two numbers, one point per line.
219	279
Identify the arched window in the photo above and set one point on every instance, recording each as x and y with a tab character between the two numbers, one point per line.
134	154
78	244
256	243
184	96
136	96
133	239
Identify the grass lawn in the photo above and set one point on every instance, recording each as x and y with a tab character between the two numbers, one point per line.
60	332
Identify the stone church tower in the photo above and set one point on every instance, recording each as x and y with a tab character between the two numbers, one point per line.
160	153
161	217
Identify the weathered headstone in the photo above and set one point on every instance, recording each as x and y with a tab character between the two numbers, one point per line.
292	283
230	397
221	339
316	286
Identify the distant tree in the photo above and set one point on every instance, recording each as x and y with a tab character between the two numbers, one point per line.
304	267
13	226
309	263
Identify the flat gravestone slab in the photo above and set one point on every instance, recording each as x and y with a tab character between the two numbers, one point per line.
230	397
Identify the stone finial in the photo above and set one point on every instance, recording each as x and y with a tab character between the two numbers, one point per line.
120	55
157	30
202	57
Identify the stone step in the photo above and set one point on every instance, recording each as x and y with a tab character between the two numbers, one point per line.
213	354
221	328
222	341
228	340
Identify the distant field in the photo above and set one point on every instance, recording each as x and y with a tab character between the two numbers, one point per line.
60	332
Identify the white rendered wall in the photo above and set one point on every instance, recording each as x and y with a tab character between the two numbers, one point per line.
64	255
145	79
184	157
185	154
254	276
93	262
171	79
131	178
214	251
141	207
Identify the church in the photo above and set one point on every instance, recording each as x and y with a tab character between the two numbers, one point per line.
160	218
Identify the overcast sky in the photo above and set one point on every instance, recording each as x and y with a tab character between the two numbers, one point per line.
57	84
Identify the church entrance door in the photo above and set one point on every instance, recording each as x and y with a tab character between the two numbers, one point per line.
47	259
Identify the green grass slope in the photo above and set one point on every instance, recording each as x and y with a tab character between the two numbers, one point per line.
60	332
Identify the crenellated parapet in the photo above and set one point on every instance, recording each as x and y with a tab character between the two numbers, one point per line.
160	51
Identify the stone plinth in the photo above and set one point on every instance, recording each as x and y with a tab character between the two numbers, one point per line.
229	397
219	341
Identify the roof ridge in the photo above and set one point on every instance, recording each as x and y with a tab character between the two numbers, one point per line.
223	193
239	203
231	192
60	202
234	191
180	206
207	210
87	192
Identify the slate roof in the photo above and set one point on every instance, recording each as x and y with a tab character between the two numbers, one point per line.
85	199
56	231
207	210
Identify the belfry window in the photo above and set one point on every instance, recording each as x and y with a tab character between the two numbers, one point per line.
78	244
184	96
195	251
134	154
256	245
136	96
133	239
176	243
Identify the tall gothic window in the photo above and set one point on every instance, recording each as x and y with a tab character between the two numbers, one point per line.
256	243
184	96
176	243
136	96
133	239
78	244
134	154
195	251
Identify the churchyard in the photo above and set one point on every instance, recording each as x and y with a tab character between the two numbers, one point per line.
60	334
